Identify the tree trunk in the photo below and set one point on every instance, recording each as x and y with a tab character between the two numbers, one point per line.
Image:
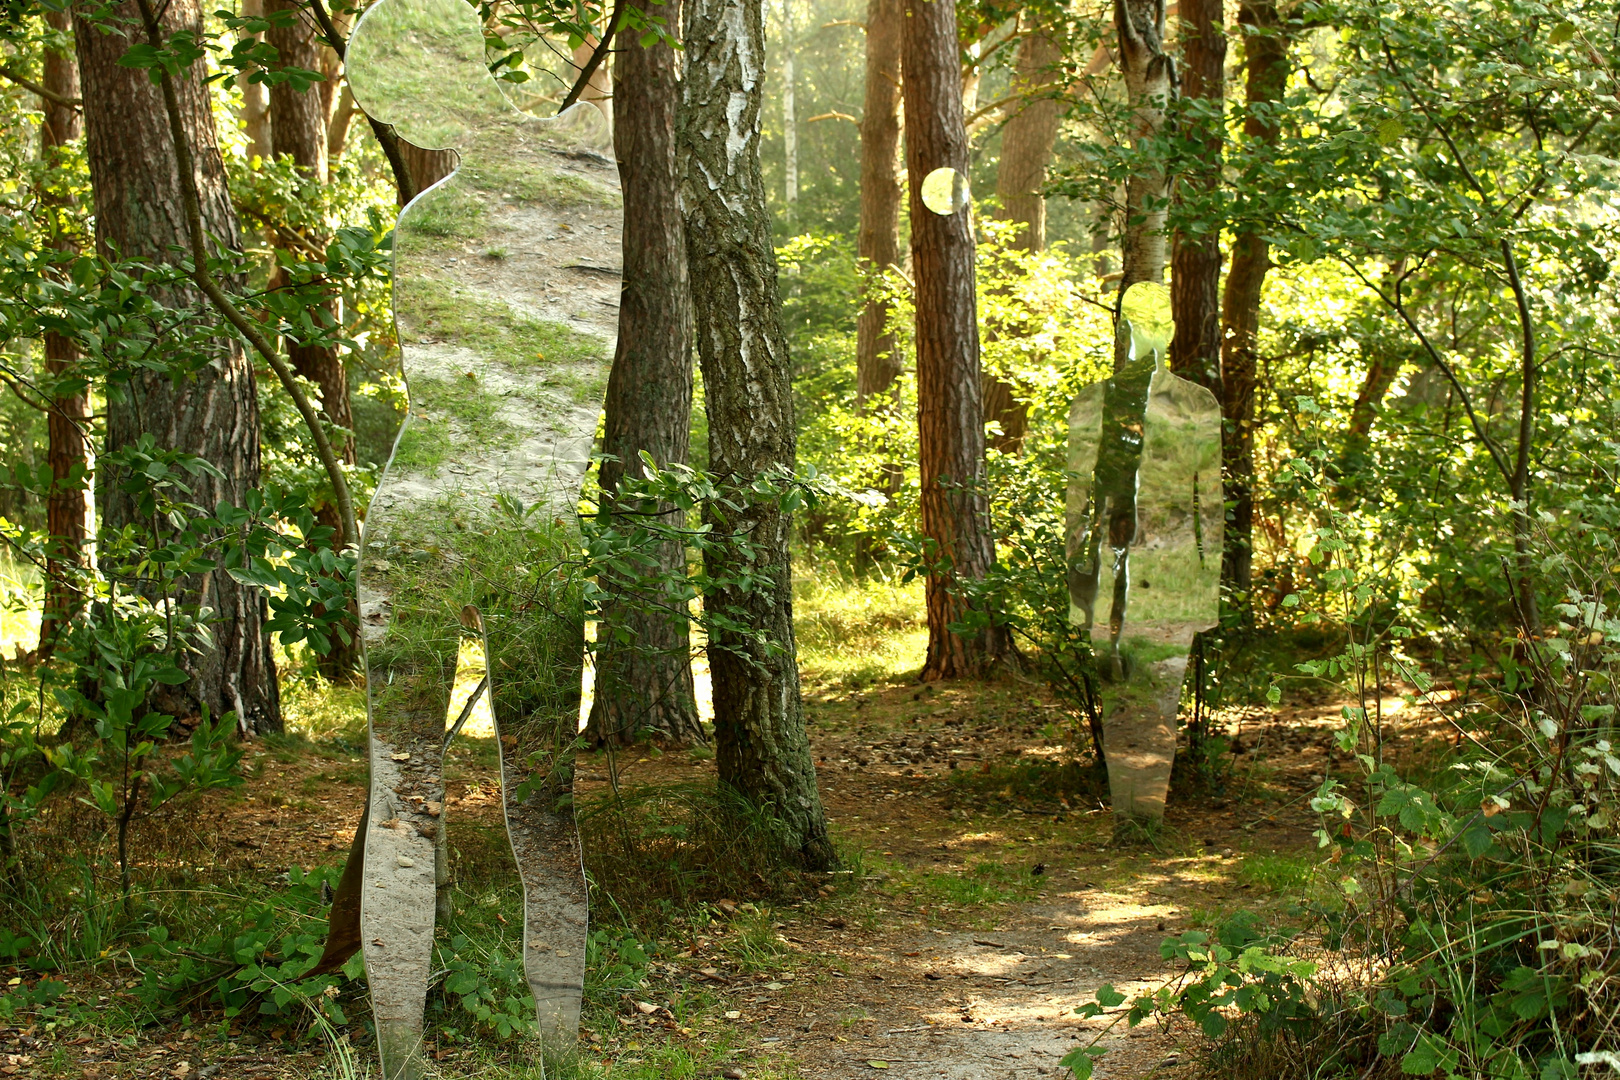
427	167
298	117
1150	83
337	129
877	358
1028	138
255	99
645	683
214	412
298	131
1195	259
66	507
599	90
1026	151
1266	59
950	413
760	741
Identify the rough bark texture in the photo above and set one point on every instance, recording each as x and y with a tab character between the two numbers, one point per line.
427	167
1195	260
1150	83
1026	150
298	131
1028	138
950	414
213	413
877	246
646	682
298	124
760	741
255	99
68	452
1266	61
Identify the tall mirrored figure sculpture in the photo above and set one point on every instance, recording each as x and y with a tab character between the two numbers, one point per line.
1144	545
506	290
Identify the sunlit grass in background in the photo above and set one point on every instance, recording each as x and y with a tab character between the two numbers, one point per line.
858	632
20	599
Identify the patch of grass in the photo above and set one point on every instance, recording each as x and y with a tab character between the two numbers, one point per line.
1279	873
979	885
440	309
451	212
654	853
856	633
496	172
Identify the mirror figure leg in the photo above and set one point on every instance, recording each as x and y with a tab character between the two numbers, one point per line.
400	886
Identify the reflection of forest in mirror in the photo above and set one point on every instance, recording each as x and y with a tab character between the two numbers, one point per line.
1145	509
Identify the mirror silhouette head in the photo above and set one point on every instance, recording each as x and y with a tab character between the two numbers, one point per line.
419	65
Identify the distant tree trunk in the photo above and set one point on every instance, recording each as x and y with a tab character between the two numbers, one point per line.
599	90
950	412
645	683
760	741
790	119
298	131
1265	52
1026	150
877	359
1028	138
298	117
214	412
255	99
337	129
1195	260
1150	83
66	510
427	167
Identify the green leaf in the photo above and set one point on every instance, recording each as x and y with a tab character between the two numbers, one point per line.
1430	1054
1561	33
1390	132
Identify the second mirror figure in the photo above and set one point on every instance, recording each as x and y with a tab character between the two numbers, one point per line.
1144	544
506	288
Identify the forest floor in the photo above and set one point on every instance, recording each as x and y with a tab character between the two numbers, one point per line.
980	904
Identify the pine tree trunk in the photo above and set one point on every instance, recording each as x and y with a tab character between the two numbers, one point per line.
1195	260
298	131
646	683
255	99
68	453
877	358
427	167
1266	59
1026	150
1028	138
950	413
761	745
1150	83
213	413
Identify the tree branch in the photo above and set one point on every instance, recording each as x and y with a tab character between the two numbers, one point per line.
403	182
45	92
597	56
250	330
1396	305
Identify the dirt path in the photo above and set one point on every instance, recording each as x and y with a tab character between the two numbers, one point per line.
985	899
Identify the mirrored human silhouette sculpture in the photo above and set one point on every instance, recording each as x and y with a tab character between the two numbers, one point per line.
1144	544
506	288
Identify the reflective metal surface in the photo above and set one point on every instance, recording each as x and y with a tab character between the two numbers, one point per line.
945	191
506	295
1144	525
